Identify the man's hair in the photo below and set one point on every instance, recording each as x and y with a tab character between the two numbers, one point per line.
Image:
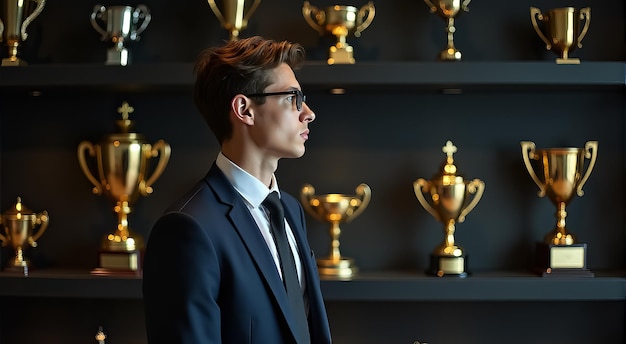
239	67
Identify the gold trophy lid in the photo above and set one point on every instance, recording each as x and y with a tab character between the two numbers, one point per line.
125	126
18	211
448	173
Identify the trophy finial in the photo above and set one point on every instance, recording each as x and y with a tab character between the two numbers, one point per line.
449	149
125	123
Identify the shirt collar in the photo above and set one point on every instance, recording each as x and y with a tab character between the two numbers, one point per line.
250	188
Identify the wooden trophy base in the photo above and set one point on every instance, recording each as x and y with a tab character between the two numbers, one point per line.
562	260
342	269
119	263
444	266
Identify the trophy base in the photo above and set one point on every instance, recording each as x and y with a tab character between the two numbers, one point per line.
342	268
568	61
562	260
341	55
450	54
117	57
13	62
444	266
19	270
118	263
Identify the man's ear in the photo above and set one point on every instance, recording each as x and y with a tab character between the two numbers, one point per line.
240	107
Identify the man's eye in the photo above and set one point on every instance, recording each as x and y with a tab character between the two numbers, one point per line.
290	99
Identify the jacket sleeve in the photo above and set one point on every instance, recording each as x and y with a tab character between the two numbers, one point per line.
181	278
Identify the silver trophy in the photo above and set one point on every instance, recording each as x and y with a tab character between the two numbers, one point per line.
16	16
122	23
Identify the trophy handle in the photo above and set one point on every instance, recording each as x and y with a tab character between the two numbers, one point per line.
88	146
365	17
141	12
253	8
163	151
95	14
526	147
465	5
2	237
432	6
593	147
363	191
476	187
419	186
585	13
31	17
42	221
534	14
305	198
307	10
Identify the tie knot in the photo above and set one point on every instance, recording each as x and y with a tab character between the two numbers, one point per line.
272	203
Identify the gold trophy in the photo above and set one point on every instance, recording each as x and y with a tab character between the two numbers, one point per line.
562	30
339	21
560	177
449	10
21	226
450	202
232	16
16	16
122	160
336	209
123	23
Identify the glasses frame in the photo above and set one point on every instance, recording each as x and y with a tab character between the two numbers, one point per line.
300	97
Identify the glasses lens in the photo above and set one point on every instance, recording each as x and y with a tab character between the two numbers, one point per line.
300	97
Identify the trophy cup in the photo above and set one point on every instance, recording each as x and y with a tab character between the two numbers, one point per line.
335	209
233	17
122	24
21	226
450	202
562	178
562	30
16	16
448	10
339	21
122	164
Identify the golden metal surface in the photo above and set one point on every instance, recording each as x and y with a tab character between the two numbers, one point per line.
16	16
232	16
121	160
448	10
22	226
450	199
561	30
335	209
339	21
559	176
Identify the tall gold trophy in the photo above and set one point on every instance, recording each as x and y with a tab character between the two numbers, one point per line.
121	160
336	209
234	16
21	226
16	16
449	10
450	200
562	30
561	176
339	21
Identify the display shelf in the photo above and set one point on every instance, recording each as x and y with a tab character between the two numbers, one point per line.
320	76
368	286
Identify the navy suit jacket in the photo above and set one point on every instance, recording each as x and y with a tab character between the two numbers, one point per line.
209	277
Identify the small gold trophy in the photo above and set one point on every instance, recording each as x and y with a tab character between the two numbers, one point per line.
232	16
449	10
123	24
121	160
336	209
21	226
560	177
16	16
449	203
562	30
339	21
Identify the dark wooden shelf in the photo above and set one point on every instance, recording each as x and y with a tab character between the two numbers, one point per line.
368	286
406	76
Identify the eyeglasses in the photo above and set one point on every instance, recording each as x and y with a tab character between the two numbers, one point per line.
300	97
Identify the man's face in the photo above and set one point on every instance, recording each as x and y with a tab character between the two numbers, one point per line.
280	129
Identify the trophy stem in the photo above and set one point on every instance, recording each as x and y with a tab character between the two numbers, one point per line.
450	53
560	236
335	232
449	240
122	209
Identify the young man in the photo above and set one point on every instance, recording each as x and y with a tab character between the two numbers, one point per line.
213	268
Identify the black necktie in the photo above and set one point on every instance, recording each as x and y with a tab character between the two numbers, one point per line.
290	275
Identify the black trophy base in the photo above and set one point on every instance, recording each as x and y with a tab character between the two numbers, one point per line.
561	260
116	263
444	266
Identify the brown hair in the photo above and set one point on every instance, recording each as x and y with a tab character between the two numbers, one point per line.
239	67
